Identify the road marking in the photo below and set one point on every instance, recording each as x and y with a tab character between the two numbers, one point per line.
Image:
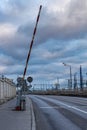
48	107
75	108
72	107
63	107
63	104
79	110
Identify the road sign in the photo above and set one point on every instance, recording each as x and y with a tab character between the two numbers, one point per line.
29	79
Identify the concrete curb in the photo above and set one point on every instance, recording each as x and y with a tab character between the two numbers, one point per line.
33	123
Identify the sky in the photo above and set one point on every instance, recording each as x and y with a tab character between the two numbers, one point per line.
61	37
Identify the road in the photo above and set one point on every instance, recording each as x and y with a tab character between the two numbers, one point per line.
60	112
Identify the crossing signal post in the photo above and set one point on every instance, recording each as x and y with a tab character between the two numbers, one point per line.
20	96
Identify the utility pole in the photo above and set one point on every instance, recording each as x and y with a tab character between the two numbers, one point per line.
75	81
86	80
81	79
70	78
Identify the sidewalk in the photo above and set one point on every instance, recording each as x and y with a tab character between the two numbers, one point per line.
17	120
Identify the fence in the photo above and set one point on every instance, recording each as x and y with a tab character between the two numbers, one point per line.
7	89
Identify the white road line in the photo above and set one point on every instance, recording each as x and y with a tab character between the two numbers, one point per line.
63	107
79	110
61	103
72	107
48	107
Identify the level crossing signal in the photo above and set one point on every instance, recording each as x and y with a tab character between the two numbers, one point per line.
29	79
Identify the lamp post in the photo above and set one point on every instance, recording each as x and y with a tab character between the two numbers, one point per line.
86	80
70	74
81	79
75	81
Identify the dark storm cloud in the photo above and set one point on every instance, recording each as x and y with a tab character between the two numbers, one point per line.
63	32
70	25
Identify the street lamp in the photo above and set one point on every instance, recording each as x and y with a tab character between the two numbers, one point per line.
70	74
75	81
86	81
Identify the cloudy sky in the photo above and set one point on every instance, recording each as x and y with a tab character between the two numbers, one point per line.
61	37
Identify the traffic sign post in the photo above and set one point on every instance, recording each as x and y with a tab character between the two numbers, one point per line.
21	100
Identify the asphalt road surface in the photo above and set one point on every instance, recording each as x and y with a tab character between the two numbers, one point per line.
60	112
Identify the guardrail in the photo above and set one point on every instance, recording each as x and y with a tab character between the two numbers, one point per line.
65	92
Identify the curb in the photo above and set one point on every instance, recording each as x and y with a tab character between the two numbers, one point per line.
33	123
